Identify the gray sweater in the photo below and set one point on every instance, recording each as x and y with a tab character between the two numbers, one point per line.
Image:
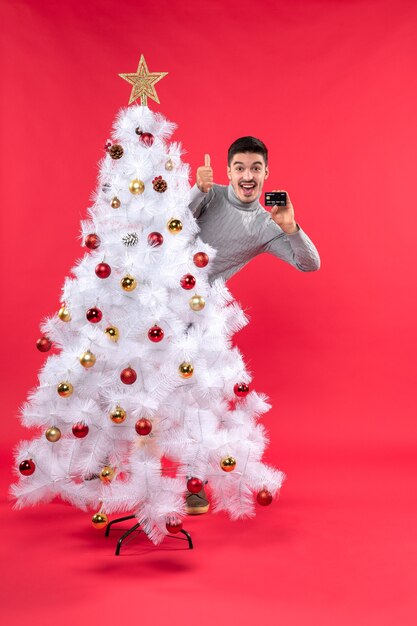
240	231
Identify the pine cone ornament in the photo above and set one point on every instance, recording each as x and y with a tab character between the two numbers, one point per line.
131	239
115	151
159	184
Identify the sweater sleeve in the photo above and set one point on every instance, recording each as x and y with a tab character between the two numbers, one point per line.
297	249
199	200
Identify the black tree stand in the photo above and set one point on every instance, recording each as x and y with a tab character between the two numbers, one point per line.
136	527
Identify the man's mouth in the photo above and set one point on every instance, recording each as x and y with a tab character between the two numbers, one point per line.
247	188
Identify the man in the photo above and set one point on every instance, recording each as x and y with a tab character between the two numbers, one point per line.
232	221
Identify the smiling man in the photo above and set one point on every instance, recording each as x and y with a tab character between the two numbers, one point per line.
233	221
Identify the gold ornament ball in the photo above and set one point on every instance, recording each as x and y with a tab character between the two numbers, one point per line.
65	389
118	415
99	520
186	370
174	226
64	314
107	474
115	203
169	165
197	303
136	187
53	434
87	359
112	333
128	283
228	464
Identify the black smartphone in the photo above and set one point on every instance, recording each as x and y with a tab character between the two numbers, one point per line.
275	197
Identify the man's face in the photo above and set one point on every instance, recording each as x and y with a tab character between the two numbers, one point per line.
247	173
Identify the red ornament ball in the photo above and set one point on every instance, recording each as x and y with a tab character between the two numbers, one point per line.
264	497
155	239
155	334
143	426
128	376
187	281
43	344
80	430
147	139
174	527
27	467
241	389
200	259
194	485
103	270
92	241
94	315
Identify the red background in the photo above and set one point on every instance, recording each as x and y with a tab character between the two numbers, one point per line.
330	87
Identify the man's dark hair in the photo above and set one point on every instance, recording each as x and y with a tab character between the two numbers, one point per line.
247	144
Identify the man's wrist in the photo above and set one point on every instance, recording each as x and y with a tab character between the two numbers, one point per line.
291	229
199	188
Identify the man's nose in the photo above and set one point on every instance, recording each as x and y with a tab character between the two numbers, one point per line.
247	174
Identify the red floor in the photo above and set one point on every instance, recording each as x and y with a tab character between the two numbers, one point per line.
338	548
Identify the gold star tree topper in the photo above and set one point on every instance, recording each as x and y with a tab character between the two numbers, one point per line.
143	83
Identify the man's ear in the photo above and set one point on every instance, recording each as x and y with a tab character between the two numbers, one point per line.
266	173
229	175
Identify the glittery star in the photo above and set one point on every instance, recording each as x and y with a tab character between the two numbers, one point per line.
143	83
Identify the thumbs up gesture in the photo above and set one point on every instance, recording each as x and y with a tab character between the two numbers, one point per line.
204	178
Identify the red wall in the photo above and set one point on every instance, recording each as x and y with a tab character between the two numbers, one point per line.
330	87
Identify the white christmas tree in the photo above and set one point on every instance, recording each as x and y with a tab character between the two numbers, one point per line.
144	372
